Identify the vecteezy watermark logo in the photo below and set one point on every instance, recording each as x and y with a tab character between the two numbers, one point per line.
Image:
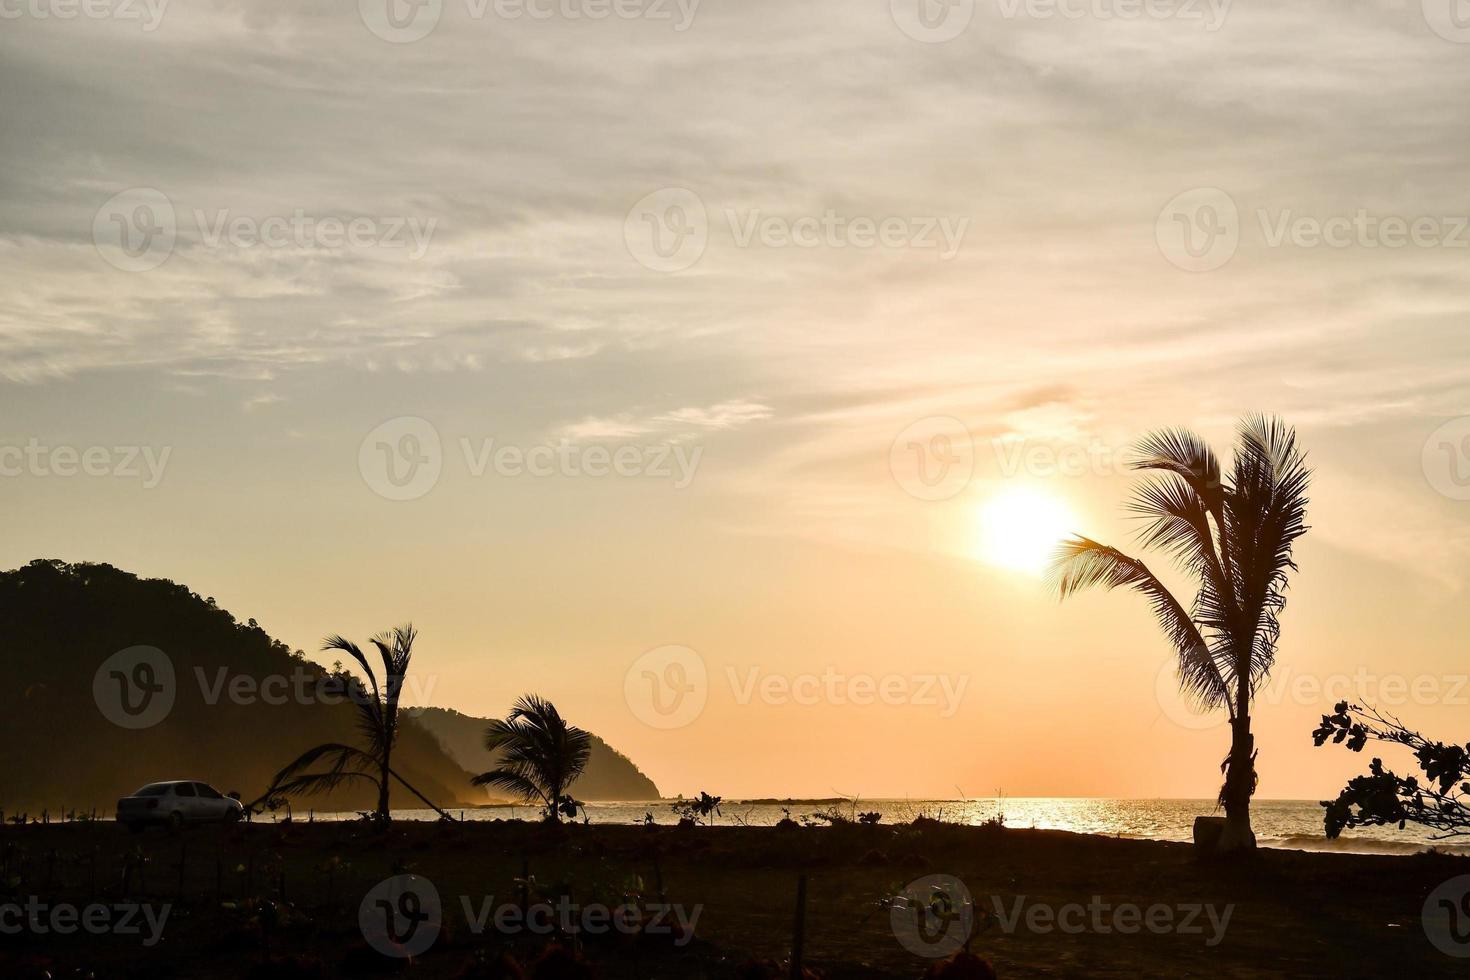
1446	458
1179	707
668	230
1211	13
135	230
405	21
1199	230
594	919
1289	686
831	229
1104	918
1446	917
662	460
933	459
402	458
138	229
401	916
400	21
36	459
301	230
838	688
135	688
1450	19
147	12
138	687
1362	229
932	21
933	916
679	12
667	687
64	919
301	686
1017	455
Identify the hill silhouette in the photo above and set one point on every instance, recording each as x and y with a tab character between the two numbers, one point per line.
58	747
610	775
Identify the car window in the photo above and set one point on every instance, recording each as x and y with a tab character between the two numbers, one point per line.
207	791
184	789
153	789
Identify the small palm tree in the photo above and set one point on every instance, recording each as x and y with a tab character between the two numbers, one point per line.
1235	537
541	755
377	721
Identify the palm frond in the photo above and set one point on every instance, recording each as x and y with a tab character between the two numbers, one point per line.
335	642
1082	563
1187	456
1266	506
1178	522
515	783
395	649
536	747
369	712
344	763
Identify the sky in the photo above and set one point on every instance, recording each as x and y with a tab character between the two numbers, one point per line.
757	350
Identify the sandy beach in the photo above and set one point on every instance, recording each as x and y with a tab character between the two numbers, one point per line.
1047	903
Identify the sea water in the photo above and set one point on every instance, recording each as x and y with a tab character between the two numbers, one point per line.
1277	823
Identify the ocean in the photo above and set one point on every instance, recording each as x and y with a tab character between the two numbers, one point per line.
1293	824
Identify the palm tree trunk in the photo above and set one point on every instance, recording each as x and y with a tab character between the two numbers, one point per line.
383	814
432	805
1240	776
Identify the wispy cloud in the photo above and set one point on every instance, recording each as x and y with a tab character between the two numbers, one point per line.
676	423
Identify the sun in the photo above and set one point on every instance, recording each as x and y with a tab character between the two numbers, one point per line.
1020	528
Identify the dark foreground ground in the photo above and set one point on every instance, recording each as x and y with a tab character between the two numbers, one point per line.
283	901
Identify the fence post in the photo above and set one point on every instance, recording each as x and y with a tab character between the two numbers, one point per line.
798	931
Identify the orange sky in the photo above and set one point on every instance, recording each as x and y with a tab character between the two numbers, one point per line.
765	257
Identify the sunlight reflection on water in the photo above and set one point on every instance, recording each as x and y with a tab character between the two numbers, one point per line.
1277	823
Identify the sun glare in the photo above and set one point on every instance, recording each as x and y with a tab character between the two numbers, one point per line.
1020	528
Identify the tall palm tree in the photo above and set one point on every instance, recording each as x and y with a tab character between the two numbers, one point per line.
541	755
1235	537
377	721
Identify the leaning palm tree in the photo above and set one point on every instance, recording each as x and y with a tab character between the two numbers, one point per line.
1235	537
541	755
333	764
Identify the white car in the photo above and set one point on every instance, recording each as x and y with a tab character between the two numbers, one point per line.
176	803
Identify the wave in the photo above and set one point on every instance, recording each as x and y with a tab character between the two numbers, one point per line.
1358	845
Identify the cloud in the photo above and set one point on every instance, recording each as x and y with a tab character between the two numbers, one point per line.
261	400
678	423
527	142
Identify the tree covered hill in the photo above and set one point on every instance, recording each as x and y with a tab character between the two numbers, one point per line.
60	749
241	704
